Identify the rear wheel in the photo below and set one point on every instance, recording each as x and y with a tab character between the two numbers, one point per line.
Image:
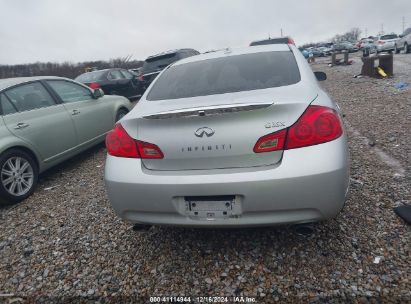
396	50
120	114
18	176
406	48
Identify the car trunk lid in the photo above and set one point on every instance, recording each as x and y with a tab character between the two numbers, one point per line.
217	131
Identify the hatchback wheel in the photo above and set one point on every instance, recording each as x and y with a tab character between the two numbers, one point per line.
396	50
406	48
18	176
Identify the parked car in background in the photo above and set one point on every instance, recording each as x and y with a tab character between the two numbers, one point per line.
153	65
44	121
385	43
316	52
136	71
404	42
277	40
304	52
244	137
326	50
113	82
368	45
365	41
344	46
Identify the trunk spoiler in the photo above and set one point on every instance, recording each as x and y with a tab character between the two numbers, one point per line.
210	110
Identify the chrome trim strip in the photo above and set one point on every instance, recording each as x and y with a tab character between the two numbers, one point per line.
211	110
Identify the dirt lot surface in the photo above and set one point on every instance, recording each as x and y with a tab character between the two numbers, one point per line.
65	242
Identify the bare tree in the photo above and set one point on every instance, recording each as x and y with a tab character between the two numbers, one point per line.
65	69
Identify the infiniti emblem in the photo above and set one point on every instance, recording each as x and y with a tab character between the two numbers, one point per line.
204	130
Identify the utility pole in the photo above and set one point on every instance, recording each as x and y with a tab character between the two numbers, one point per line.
382	28
366	32
281	30
403	24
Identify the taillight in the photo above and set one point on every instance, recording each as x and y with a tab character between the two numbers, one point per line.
271	142
317	125
120	144
141	77
94	85
381	41
290	41
148	150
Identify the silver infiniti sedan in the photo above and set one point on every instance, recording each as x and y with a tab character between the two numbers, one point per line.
44	121
237	137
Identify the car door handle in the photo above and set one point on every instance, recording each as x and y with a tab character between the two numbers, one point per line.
21	125
75	112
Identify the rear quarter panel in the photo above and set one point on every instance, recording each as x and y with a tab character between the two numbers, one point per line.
8	141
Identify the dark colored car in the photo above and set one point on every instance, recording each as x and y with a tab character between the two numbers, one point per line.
153	65
113	82
278	40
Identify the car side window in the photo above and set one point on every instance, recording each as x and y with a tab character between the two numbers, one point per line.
126	74
115	75
70	92
29	96
5	106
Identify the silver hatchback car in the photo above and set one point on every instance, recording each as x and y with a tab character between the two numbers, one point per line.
237	137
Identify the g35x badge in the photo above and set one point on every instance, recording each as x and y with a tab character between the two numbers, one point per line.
274	124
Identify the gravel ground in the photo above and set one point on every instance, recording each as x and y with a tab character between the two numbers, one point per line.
65	242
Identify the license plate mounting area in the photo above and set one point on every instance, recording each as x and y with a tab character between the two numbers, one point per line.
210	207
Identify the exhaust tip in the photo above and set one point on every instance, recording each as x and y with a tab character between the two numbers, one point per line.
304	229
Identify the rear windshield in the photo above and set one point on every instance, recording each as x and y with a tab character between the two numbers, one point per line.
227	75
158	63
386	37
91	76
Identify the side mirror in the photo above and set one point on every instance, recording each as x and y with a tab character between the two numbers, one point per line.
321	76
97	93
401	36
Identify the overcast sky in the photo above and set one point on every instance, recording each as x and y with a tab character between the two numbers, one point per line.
79	30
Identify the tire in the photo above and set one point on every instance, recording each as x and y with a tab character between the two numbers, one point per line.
120	114
24	181
396	49
406	48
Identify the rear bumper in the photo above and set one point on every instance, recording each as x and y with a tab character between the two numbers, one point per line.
386	47
309	185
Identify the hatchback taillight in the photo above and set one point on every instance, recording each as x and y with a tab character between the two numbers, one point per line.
317	125
141	77
120	144
381	41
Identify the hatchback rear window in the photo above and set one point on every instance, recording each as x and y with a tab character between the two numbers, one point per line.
387	37
158	63
227	75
